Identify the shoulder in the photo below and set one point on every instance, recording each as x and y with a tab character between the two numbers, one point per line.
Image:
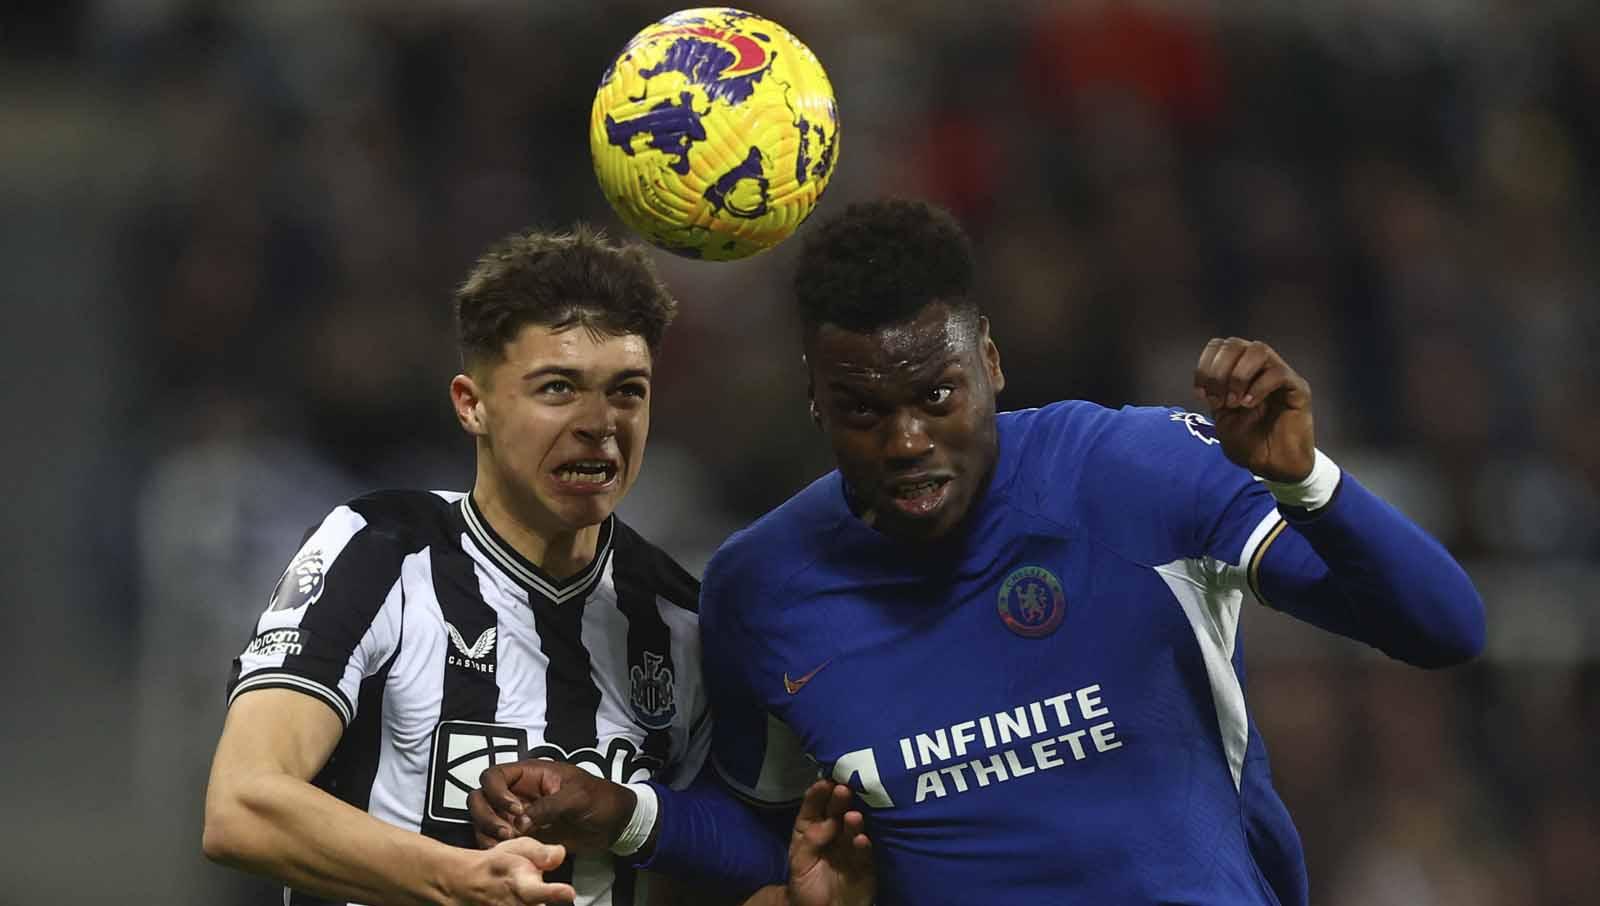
1064	414
1162	428
408	517
639	561
356	552
1059	430
393	518
1081	458
1075	433
763	558
377	529
1157	450
787	537
1084	427
1044	451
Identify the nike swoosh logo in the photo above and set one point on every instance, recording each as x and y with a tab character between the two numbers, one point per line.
792	686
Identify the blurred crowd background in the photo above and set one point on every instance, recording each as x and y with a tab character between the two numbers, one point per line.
230	232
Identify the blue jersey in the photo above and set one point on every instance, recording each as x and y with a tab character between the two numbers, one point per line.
1047	708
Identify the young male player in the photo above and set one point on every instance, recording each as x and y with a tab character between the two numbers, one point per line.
1015	635
418	637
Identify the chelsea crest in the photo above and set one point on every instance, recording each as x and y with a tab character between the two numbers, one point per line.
1031	601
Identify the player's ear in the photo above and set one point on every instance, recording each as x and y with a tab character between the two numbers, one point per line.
991	355
467	399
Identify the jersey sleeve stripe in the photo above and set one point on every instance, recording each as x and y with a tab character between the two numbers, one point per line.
275	680
1253	572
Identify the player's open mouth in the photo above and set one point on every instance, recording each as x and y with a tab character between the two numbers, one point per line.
921	497
587	474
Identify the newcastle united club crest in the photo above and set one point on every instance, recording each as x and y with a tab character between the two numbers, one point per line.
650	692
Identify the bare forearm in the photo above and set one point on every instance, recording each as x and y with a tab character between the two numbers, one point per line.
281	826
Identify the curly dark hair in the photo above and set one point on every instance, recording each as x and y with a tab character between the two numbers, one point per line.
559	280
880	262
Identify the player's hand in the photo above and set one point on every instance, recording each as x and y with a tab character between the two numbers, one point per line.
1261	408
511	874
830	858
493	808
551	800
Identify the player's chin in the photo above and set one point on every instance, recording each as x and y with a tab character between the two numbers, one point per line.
586	507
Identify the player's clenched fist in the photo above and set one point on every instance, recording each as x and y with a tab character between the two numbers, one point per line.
512	874
1261	407
552	800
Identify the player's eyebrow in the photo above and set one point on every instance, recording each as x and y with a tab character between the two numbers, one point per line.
573	374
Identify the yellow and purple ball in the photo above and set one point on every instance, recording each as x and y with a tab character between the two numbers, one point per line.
714	133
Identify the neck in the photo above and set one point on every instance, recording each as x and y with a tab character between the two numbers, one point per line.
560	551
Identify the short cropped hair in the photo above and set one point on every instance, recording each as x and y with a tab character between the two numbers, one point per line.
559	280
881	262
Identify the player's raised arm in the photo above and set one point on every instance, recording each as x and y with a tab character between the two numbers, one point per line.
264	816
1343	559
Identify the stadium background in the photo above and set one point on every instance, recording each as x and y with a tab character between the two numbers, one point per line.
230	232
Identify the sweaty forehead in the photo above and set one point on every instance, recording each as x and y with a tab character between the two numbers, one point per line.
931	340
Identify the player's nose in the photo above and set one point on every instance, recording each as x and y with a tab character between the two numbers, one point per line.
596	420
907	438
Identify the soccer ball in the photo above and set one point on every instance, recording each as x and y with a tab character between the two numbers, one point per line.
714	133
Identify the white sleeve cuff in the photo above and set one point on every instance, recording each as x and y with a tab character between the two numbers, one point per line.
643	820
1312	493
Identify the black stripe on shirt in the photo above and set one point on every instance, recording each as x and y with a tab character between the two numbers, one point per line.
356	584
658	570
571	696
651	672
472	643
471	653
353	767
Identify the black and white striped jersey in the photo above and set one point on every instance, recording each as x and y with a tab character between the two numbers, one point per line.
444	651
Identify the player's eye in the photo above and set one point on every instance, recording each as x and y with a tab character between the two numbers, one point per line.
941	394
634	390
856	412
558	387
